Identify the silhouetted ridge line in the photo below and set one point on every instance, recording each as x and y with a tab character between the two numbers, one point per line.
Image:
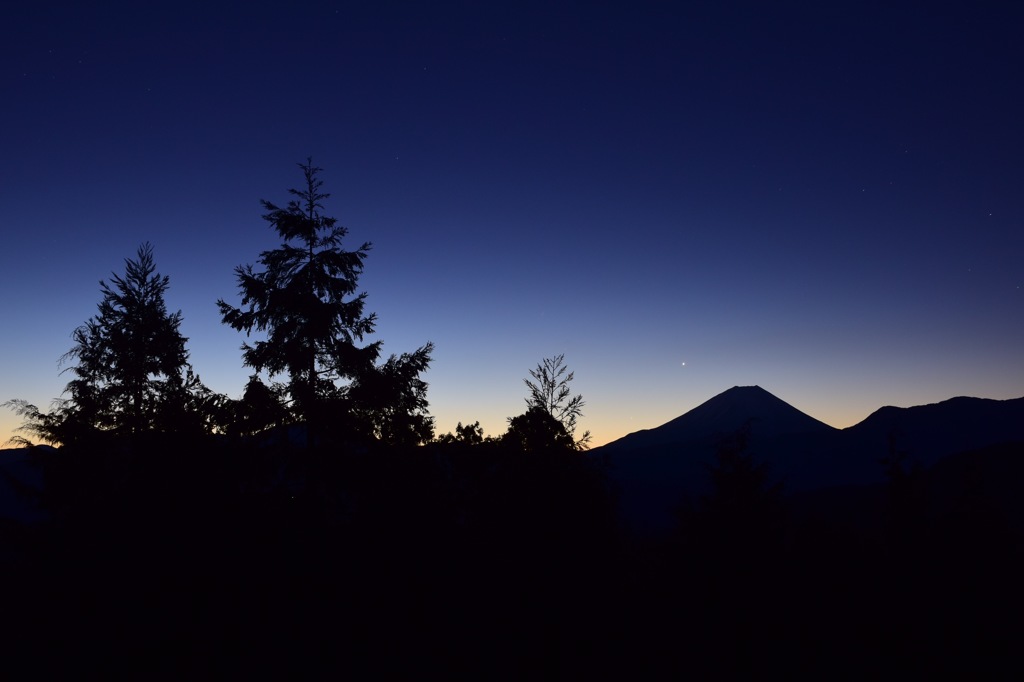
926	433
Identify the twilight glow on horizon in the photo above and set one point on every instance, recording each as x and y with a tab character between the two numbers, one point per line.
824	202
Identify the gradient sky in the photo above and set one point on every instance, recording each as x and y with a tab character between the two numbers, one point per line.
824	199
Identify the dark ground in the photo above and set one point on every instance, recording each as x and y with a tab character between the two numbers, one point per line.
484	563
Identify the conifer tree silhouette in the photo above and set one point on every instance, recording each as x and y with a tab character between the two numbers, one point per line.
305	299
131	370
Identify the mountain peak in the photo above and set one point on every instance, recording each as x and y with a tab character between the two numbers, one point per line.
724	415
754	392
745	389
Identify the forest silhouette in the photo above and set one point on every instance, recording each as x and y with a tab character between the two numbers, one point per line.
318	526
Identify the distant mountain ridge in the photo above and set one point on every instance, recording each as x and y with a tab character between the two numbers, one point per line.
927	433
659	469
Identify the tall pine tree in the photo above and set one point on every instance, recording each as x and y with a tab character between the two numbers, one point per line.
130	369
304	299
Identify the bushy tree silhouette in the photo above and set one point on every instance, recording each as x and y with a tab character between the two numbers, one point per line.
131	370
470	434
906	483
391	400
742	517
536	430
549	391
743	501
305	300
261	407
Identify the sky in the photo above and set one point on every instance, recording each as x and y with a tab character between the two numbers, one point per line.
823	199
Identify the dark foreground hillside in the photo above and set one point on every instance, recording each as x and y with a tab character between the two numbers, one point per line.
480	561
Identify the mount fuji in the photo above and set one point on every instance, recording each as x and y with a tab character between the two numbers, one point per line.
723	415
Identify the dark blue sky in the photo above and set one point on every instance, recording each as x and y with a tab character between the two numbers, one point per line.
823	200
